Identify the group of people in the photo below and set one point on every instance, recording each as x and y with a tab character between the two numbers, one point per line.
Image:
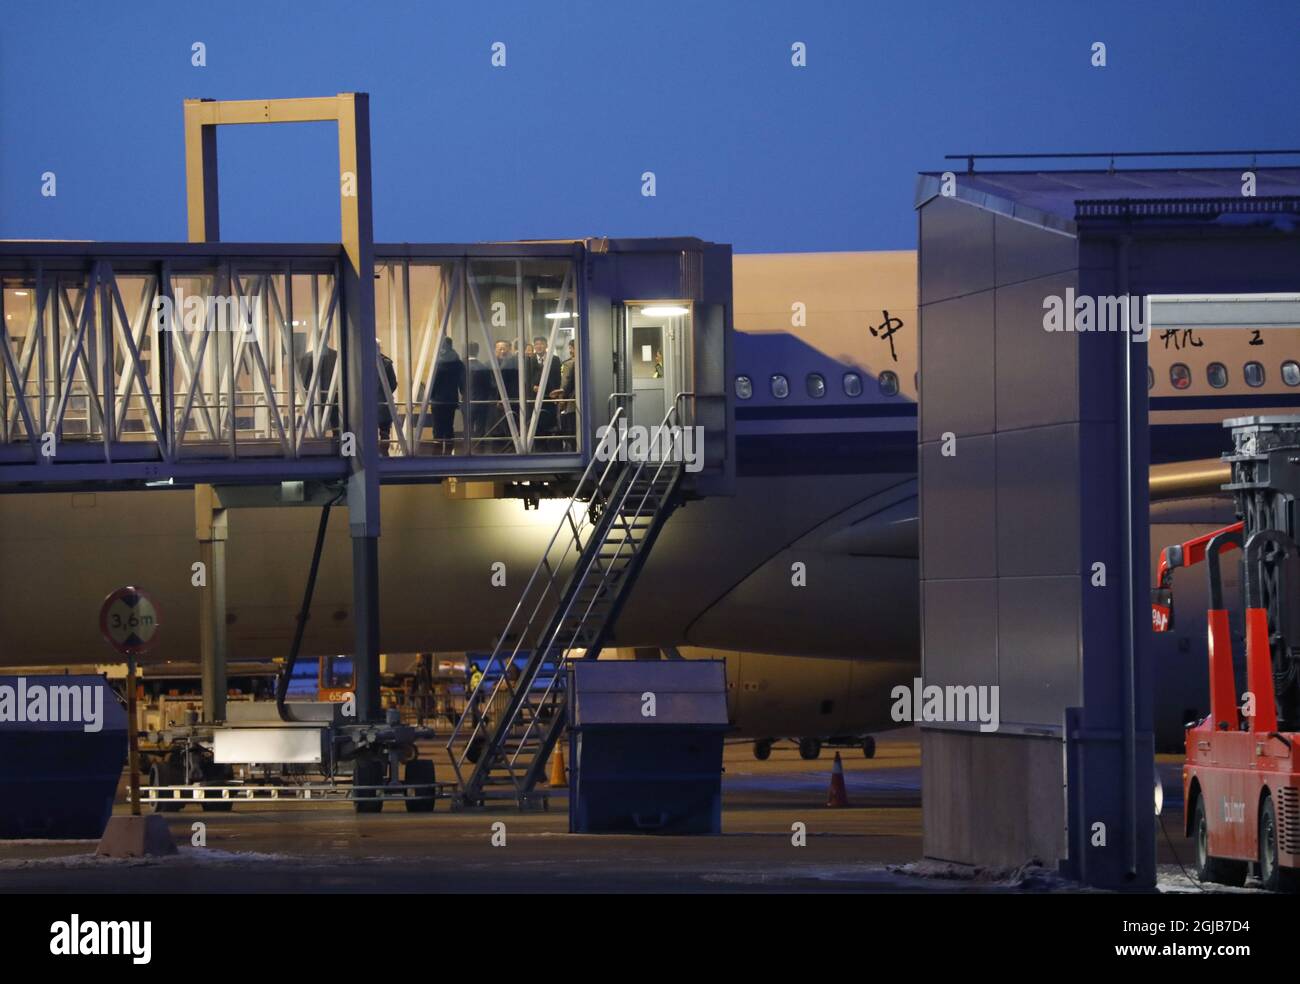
456	381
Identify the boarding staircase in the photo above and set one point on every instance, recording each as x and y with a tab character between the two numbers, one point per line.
513	718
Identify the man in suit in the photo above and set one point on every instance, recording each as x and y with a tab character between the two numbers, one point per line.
545	378
328	362
445	393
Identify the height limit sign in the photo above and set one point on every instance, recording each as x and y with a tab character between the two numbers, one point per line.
129	621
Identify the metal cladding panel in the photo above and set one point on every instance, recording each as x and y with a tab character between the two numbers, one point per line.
655	276
957	350
686	692
58	779
1038	648
1038	501
1024	251
1037	378
958	510
956	254
961	632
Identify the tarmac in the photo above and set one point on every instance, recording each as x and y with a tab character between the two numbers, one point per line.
873	844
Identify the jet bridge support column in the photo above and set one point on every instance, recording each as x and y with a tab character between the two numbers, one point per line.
211	526
358	270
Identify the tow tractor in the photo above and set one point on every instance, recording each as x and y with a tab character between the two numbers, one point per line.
1241	792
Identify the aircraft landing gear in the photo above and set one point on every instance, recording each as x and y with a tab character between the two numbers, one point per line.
763	749
810	748
868	747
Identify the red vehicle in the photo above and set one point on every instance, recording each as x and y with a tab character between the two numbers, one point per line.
1241	792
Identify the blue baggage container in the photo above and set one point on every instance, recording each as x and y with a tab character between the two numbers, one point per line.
62	750
645	746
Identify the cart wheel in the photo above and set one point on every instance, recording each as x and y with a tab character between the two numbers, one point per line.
1272	875
1210	869
763	749
367	772
869	747
420	771
165	774
217	806
810	748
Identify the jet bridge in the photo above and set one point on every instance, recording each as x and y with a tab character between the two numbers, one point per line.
132	365
310	374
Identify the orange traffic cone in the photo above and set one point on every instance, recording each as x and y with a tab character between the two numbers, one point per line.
558	779
838	795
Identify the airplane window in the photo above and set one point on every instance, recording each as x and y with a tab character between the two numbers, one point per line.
816	385
852	384
744	388
780	386
1151	378
889	383
1254	372
1216	374
1180	376
1291	373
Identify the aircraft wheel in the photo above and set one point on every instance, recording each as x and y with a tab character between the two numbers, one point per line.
810	748
217	806
1209	869
1272	875
421	771
763	749
869	747
367	772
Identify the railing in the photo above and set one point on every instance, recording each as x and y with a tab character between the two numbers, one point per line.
581	516
626	487
504	703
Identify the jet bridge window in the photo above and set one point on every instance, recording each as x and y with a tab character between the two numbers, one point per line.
1254	373
478	357
1216	374
1291	373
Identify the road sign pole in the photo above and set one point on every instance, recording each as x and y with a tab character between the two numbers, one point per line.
132	737
129	622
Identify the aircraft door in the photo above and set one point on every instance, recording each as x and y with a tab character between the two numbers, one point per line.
658	356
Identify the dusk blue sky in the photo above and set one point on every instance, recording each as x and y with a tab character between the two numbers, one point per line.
746	148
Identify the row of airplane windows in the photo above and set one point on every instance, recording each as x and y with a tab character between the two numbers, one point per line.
1216	374
815	385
